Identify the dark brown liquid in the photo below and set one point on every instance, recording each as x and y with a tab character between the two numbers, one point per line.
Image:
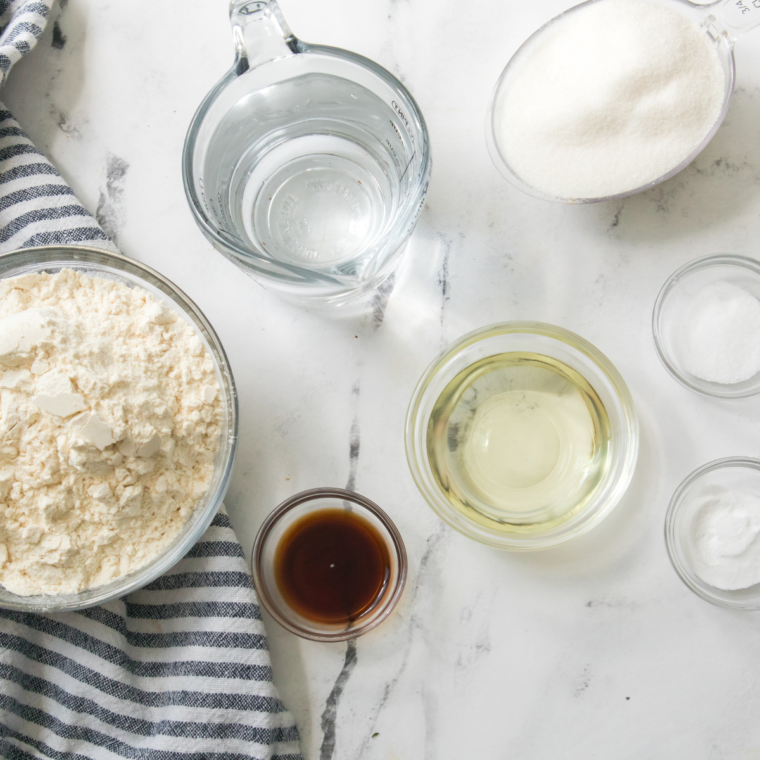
331	566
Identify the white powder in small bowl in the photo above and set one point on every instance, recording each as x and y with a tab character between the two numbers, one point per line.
716	333
726	533
608	98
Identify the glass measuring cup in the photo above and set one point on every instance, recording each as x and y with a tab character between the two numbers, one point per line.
307	166
722	21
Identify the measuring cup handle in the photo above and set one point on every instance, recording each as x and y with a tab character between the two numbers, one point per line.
739	16
260	33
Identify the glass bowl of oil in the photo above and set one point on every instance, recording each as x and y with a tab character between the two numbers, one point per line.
522	435
329	564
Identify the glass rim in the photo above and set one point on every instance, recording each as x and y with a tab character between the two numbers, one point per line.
691	267
689	579
380	613
442	507
80	256
505	169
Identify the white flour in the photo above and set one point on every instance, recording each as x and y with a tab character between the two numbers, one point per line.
609	98
109	420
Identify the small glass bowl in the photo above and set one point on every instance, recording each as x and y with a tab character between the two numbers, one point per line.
277	524
690	278
732	473
112	266
576	353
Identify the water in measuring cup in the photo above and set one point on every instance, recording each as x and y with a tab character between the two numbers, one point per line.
310	172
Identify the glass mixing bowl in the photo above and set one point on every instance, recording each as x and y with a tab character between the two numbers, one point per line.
111	266
501	525
683	283
704	484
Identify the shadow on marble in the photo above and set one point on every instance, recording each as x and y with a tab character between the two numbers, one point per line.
720	186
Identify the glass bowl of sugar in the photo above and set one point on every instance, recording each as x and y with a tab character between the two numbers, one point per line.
706	325
711	530
613	97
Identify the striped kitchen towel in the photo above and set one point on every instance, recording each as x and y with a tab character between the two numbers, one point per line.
176	671
37	207
179	670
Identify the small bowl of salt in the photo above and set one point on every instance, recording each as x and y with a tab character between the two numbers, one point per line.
712	532
706	325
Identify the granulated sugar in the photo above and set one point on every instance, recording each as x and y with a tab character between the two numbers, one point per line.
609	98
717	333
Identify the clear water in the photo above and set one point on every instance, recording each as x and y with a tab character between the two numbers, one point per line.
317	199
310	172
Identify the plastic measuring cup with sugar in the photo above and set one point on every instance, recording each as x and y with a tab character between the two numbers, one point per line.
720	22
307	166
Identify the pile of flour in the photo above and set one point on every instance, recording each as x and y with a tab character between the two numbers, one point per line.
110	417
608	98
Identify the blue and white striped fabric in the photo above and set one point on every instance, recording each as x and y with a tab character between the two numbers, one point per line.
177	671
21	25
37	207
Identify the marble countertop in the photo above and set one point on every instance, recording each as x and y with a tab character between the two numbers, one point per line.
591	650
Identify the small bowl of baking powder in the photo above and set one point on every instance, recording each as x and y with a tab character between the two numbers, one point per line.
711	532
706	325
118	427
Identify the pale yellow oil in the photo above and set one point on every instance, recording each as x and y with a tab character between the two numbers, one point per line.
518	441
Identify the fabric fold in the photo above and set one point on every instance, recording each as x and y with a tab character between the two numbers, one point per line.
37	207
148	676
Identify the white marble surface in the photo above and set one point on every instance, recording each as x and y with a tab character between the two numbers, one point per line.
591	650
